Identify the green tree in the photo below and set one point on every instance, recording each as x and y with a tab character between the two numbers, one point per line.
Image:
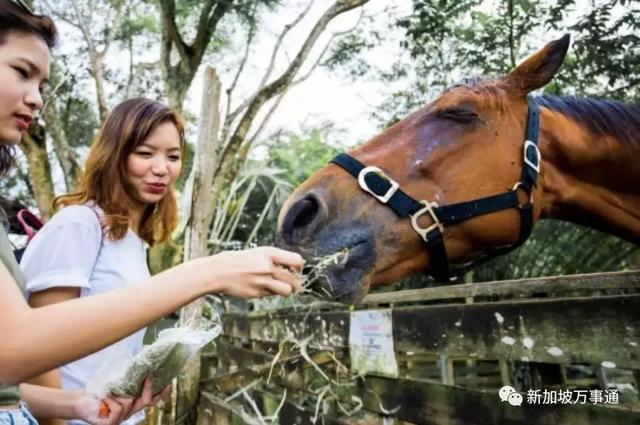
291	158
301	154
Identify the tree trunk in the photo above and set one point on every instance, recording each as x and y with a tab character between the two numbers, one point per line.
34	147
176	87
66	155
197	231
98	78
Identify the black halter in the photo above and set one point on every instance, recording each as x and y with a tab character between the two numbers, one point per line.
374	181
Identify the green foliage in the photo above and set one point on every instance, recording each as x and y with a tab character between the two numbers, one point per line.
299	155
558	248
348	50
76	112
290	159
79	120
607	52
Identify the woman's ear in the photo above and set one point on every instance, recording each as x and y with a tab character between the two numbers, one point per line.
539	69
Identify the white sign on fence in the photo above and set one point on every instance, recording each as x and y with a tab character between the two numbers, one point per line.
371	343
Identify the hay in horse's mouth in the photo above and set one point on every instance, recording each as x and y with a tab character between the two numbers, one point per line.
316	268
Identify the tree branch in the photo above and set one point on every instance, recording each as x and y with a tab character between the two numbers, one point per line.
203	21
326	49
278	44
226	163
244	149
207	26
251	33
34	147
114	28
624	88
272	61
246	146
64	153
168	13
61	16
80	24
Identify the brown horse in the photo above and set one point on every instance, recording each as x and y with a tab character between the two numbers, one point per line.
466	176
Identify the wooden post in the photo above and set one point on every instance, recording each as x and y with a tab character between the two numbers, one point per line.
197	231
446	369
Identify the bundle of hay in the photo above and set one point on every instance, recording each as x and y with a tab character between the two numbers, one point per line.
163	360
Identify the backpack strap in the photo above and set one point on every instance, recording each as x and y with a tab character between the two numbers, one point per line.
29	223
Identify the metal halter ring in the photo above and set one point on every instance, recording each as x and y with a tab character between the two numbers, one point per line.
363	184
428	208
520	184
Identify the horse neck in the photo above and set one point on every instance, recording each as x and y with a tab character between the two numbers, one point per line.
589	178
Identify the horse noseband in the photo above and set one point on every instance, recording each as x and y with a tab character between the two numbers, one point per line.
374	181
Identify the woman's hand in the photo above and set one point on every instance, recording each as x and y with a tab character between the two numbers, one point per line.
253	273
146	398
112	410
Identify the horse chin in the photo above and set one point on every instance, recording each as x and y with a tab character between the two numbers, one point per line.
343	287
399	268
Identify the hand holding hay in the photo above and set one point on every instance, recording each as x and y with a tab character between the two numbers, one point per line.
256	272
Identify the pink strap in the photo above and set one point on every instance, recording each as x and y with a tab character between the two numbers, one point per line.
29	222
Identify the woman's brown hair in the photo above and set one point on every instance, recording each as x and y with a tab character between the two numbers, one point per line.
15	17
105	182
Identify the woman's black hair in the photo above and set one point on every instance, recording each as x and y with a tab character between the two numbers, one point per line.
15	16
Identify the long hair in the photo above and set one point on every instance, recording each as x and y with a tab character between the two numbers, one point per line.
14	17
105	182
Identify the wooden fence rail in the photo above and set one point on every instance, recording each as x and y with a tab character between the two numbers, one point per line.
455	347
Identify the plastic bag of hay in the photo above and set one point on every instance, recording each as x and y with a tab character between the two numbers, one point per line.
163	360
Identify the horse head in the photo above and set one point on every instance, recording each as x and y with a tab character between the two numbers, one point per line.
449	184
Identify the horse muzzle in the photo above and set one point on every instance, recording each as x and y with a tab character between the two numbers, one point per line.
340	255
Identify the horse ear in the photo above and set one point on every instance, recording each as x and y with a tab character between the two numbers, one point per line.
539	69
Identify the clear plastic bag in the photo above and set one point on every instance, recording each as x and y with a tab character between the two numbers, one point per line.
163	360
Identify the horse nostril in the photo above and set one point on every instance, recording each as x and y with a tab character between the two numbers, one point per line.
300	217
306	213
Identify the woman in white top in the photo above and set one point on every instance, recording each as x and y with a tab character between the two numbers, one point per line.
95	243
35	340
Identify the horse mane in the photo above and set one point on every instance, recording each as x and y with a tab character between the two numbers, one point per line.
618	119
621	120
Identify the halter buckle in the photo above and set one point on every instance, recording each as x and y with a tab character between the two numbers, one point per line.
428	208
363	184
535	165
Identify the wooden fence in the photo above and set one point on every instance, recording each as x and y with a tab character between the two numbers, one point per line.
455	346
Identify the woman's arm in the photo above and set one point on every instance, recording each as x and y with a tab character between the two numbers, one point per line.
51	403
37	340
48	380
45	413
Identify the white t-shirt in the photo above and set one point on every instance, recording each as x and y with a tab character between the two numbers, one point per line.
71	251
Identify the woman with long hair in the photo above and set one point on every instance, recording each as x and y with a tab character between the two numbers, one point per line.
95	242
36	340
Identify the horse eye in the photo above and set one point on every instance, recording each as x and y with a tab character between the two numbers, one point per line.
463	116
